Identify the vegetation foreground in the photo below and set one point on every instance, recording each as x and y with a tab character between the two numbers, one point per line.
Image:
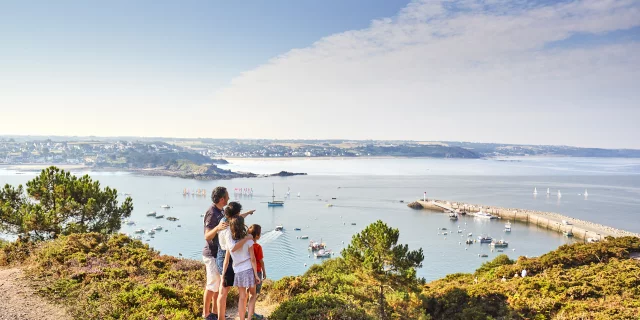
114	277
65	228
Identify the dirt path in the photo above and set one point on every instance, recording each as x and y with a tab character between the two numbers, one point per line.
262	308
18	301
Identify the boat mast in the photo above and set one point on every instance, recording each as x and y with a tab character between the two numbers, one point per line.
273	192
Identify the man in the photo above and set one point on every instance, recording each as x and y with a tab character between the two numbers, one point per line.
212	224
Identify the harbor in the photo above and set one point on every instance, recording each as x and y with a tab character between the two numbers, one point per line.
581	229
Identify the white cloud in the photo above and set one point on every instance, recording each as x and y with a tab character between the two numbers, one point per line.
461	70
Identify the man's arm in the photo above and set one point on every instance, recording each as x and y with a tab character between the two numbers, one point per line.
211	233
244	215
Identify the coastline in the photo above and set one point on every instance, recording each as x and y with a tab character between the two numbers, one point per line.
550	220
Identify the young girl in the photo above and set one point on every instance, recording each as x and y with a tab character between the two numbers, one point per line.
244	266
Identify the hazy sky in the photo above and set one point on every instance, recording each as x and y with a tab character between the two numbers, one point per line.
537	72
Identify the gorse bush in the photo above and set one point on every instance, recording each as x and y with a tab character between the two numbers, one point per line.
114	277
578	281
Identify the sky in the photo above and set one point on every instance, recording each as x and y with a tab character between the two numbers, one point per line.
519	71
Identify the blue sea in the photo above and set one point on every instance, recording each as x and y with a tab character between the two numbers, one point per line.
362	191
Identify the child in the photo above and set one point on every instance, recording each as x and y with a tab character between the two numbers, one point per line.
244	267
256	230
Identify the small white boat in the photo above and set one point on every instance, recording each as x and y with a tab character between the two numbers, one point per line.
586	193
158	228
298	194
484	215
315	246
453	216
151	214
559	194
304	237
322	253
499	244
535	190
129	222
138	237
139	231
279	228
151	232
160	216
165	206
485	239
592	240
470	234
507	227
548	191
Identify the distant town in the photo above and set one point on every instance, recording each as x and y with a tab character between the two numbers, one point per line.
140	153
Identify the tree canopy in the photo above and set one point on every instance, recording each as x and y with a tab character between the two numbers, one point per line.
57	202
375	252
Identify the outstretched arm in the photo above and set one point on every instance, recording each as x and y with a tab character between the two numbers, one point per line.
241	243
244	215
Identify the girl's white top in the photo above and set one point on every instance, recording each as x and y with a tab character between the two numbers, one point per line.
241	257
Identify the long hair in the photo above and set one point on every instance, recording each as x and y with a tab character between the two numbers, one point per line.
238	229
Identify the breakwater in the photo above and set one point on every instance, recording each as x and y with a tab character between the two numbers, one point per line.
549	220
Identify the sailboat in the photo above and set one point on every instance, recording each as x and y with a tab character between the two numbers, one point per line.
535	190
548	192
298	194
586	194
274	202
559	194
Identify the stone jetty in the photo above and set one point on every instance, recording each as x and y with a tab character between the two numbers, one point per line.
549	220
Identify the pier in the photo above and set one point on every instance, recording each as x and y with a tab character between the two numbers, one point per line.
549	220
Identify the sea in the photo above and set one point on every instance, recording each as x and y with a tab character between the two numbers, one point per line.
340	197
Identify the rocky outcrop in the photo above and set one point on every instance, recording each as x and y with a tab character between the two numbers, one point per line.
287	174
415	205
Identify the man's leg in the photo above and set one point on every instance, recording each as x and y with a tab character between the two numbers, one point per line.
212	287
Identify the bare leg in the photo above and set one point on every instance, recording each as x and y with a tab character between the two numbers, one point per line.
222	301
252	301
206	302
242	302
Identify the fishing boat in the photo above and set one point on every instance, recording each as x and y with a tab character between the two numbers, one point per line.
322	253
315	246
499	244
151	214
507	227
274	202
486	239
484	215
279	228
139	231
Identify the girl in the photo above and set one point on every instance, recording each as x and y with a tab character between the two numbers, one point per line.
244	266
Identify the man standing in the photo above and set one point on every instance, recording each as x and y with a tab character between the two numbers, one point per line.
212	225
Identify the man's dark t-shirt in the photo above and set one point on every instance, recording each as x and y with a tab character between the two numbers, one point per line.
211	220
